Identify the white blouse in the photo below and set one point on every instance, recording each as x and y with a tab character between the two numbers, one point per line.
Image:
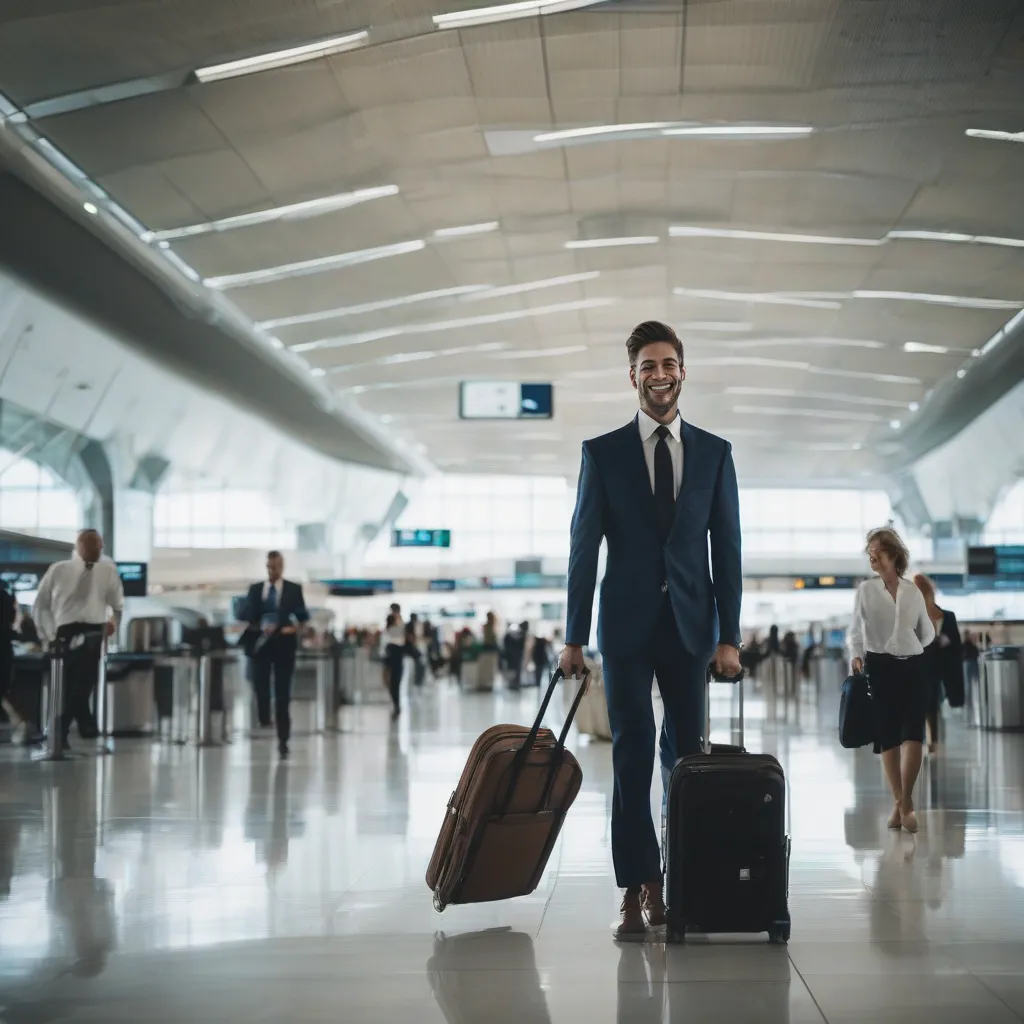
884	626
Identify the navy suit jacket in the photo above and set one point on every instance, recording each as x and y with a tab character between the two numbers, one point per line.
292	606
614	500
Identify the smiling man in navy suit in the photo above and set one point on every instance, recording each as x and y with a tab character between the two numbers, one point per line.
655	489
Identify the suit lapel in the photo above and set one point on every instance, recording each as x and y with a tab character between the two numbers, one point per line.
638	479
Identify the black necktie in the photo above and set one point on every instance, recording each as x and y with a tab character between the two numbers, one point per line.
664	486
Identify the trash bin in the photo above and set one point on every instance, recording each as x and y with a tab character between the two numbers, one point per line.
1002	706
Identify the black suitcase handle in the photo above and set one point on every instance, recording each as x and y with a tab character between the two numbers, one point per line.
524	751
714	676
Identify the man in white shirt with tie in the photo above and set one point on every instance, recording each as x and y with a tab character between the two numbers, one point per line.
80	602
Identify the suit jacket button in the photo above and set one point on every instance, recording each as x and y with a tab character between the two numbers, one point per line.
664	588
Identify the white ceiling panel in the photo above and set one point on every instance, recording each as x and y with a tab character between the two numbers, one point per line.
451	118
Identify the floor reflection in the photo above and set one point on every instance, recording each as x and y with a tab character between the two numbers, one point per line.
225	885
458	990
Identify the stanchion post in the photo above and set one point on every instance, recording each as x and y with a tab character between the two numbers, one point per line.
323	717
204	714
54	749
102	741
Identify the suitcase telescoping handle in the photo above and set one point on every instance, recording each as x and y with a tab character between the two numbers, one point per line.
524	751
717	677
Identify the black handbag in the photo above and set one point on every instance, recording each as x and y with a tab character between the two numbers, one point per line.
856	718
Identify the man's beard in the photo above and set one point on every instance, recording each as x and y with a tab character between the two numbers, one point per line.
661	401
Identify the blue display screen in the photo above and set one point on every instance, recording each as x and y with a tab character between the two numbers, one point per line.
421	538
134	577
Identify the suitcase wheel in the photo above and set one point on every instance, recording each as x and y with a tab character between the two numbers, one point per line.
779	933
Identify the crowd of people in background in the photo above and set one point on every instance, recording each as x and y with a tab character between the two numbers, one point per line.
524	657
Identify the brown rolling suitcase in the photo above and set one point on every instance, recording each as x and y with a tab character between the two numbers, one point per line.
503	819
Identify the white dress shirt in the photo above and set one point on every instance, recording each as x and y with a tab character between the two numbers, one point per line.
884	626
71	592
649	435
278	586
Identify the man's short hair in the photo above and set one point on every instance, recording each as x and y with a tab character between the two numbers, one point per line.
274	554
649	332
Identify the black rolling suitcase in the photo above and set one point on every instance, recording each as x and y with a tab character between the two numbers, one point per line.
727	850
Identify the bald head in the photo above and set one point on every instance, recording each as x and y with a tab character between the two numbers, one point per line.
89	545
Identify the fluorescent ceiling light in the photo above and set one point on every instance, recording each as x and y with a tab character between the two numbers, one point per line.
723	326
608	243
1004	332
914	406
878	378
317	266
532	286
917	346
318	371
828	414
778	364
370	307
90	208
962	301
600	129
741	131
293	211
895	424
282	58
797	342
829	396
768	298
418	357
685	231
467	229
955	236
451	325
985	133
541	353
508	12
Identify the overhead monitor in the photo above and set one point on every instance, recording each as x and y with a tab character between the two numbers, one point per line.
421	538
996	568
134	576
504	400
22	577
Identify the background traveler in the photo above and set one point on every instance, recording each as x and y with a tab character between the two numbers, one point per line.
888	635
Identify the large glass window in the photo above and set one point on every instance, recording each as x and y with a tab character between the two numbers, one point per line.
1006	523
499	517
34	500
514	516
793	521
191	516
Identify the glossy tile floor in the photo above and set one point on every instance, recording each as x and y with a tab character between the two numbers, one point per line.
166	884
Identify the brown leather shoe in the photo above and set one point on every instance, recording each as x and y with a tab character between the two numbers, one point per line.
653	904
631	927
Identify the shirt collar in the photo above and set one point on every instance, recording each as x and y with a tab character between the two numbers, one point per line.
648	425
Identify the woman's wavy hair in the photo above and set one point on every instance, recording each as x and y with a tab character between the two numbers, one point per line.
892	544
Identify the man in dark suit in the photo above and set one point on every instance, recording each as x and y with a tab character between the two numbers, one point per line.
655	489
273	612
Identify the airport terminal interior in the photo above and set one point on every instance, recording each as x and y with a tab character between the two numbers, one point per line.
306	310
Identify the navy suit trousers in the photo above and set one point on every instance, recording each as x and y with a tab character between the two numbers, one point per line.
628	682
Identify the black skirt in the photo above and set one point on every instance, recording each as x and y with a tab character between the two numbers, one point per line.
901	692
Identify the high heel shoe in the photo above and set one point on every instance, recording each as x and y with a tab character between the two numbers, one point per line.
896	818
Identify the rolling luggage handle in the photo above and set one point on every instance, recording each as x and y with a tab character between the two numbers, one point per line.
717	677
524	751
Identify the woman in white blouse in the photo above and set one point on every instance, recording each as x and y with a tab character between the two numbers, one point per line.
889	633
